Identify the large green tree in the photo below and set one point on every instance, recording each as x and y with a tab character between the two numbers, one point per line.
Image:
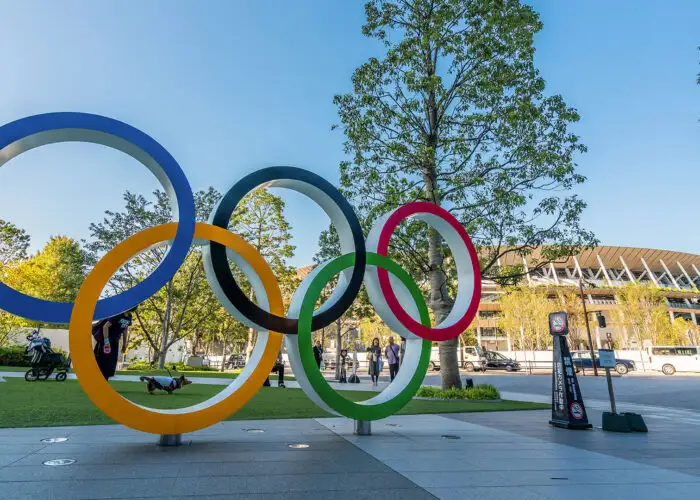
14	242
454	112
260	220
54	273
186	307
179	308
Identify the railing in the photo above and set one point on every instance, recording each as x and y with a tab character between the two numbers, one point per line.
602	301
678	305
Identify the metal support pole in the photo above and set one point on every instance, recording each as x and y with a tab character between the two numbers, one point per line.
610	391
170	440
588	328
363	428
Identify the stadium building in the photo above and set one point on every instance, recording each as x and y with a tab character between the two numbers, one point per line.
602	270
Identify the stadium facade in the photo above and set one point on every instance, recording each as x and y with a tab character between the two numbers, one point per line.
602	270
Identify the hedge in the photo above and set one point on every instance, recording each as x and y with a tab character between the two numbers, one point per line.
145	366
14	356
478	392
17	355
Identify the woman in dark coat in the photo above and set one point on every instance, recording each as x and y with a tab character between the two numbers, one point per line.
108	333
374	356
318	353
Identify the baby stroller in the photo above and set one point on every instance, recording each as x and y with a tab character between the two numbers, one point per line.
44	360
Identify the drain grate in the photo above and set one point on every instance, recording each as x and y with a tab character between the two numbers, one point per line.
450	436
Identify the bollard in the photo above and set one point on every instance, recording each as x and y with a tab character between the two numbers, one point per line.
170	440
363	428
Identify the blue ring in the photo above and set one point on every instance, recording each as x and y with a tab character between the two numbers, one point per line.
84	127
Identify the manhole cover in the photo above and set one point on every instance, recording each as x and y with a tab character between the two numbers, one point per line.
59	462
450	436
393	425
255	431
299	446
54	440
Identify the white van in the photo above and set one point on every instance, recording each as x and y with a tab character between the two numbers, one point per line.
470	358
672	359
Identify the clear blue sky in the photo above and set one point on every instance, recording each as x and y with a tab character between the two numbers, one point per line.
240	85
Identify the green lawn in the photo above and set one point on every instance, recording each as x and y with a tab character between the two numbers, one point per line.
51	403
152	373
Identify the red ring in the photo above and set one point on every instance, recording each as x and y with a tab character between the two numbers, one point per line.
428	333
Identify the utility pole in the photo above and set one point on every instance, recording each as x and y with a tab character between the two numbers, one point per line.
588	328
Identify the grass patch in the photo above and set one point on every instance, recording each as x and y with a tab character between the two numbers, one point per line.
478	392
151	373
51	403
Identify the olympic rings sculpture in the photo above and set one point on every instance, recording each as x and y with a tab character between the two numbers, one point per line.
393	293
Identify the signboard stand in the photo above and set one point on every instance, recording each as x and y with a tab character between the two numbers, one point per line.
613	421
568	410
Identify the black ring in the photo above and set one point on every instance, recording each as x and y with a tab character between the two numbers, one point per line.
220	263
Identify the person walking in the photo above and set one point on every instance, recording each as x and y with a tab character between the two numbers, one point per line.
318	353
278	368
374	357
392	357
107	334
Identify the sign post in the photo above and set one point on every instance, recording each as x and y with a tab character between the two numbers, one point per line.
607	361
568	410
613	421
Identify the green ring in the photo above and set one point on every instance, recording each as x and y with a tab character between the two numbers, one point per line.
333	399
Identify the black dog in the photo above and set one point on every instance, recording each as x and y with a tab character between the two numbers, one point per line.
167	384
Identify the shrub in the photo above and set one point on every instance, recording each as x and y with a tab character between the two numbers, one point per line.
14	356
478	392
145	366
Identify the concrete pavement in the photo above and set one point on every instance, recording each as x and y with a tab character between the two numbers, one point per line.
482	456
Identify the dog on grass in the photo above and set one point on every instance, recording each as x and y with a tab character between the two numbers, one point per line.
167	384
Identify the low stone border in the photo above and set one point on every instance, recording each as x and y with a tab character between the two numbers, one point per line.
419	398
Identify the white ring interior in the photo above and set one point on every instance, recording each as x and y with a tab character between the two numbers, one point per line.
96	137
338	220
463	263
258	350
409	366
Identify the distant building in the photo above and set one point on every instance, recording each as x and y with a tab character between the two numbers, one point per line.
602	269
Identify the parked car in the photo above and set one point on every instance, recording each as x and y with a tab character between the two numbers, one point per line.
435	359
470	359
582	360
670	359
235	361
497	361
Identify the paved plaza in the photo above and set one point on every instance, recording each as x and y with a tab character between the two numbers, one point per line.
478	456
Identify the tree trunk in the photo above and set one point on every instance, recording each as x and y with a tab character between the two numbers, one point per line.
338	340
249	344
441	304
165	328
223	355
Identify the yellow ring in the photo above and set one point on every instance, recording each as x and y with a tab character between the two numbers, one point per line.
138	417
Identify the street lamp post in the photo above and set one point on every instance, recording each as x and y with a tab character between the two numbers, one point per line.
588	328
